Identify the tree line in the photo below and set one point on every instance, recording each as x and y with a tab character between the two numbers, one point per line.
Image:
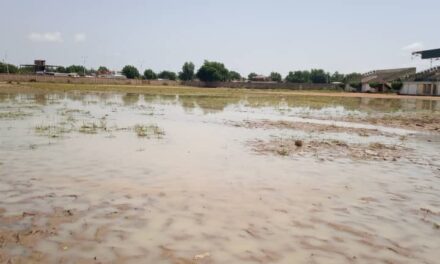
210	71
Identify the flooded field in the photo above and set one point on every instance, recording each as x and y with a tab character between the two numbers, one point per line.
216	176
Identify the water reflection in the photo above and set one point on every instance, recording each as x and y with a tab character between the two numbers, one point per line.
211	104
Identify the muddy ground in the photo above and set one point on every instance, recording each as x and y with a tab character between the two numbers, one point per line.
182	176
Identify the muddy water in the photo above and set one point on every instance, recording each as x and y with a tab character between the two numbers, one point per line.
79	185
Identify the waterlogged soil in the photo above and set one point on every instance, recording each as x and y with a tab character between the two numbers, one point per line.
130	177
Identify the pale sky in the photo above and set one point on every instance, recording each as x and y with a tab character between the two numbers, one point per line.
247	35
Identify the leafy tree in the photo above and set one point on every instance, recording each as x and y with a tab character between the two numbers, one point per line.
212	71
234	76
6	67
252	75
26	70
356	85
353	77
61	69
187	73
149	74
167	75
76	69
103	70
318	76
276	77
337	77
130	72
298	77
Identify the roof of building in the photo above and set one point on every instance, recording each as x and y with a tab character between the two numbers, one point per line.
428	54
387	75
432	74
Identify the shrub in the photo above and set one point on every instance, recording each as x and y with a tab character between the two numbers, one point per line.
396	85
375	85
356	85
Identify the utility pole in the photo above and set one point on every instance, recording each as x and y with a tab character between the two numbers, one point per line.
84	65
5	63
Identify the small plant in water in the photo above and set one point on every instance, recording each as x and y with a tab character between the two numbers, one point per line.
52	131
92	128
149	131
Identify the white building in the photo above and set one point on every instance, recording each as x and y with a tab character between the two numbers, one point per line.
421	88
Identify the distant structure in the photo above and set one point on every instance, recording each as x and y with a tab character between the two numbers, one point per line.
380	80
426	82
40	67
260	78
432	54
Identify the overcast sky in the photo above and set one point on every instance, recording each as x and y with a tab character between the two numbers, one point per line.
247	35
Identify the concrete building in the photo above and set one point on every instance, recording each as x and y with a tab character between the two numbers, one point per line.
421	88
425	82
382	79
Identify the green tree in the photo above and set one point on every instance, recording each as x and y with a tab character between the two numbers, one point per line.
319	76
79	69
252	75
149	74
187	73
337	77
26	70
212	71
6	67
298	77
130	72
103	70
167	75
353	78
276	77
60	69
234	76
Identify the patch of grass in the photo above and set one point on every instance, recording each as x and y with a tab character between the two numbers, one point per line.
52	131
149	131
93	128
13	115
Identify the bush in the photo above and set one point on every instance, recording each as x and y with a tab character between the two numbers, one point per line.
356	85
375	85
396	85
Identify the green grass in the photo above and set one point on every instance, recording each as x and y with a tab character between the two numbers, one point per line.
149	131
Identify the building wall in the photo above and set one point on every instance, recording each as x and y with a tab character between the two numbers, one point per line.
80	80
264	85
84	80
418	88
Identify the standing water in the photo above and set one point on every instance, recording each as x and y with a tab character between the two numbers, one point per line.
109	177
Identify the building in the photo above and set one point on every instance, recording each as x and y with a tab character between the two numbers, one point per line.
425	82
260	78
40	67
421	88
380	80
